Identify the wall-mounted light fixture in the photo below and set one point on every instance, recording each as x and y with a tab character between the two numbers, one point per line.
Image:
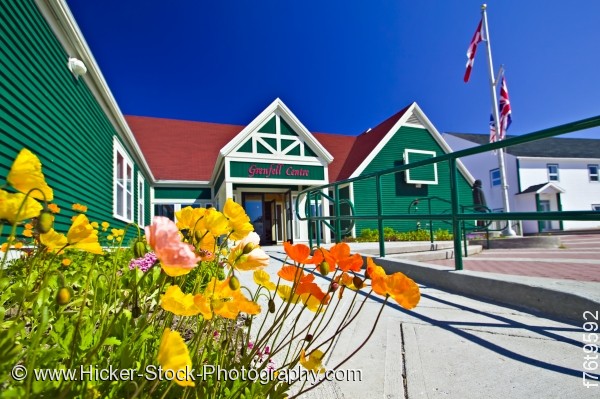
77	67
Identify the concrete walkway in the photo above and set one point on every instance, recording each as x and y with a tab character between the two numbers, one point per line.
454	345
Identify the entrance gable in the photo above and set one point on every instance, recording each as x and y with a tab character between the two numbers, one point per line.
276	132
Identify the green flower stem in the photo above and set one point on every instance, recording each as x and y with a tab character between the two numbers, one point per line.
337	366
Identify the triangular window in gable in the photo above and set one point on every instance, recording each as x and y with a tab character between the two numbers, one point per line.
275	137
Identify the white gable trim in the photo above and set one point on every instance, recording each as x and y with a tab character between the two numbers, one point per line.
278	106
426	124
550	187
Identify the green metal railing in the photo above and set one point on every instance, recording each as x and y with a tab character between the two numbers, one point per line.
458	214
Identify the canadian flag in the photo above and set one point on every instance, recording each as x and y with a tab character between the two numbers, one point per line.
477	38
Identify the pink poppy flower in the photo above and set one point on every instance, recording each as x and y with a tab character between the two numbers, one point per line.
177	258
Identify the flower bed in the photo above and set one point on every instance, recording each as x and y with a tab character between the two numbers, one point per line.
166	315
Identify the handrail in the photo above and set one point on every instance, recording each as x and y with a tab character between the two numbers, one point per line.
457	214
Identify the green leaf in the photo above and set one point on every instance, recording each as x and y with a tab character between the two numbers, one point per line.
111	341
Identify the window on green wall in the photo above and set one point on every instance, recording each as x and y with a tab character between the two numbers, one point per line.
123	184
141	198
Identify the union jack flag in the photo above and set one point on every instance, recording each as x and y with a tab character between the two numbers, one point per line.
504	113
504	108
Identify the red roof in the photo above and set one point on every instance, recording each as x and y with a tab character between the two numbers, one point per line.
181	150
365	143
186	150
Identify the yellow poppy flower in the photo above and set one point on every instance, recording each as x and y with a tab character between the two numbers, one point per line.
215	222
226	302
173	354
175	301
26	174
239	222
53	240
247	254
28	233
53	208
105	226
10	204
188	217
205	246
79	208
18	245
66	262
82	236
285	293
117	232
261	277
313	362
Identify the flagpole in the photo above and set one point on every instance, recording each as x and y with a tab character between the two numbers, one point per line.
508	231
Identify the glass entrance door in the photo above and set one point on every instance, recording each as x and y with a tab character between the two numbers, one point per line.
253	204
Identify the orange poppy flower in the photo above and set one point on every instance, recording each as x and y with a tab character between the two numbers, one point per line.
298	253
403	289
339	255
290	273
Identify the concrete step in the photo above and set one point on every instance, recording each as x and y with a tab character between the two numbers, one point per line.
444	253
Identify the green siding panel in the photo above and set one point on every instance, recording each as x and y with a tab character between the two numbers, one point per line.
247	146
270	126
397	194
295	150
308	151
271	141
203	193
45	109
286	129
261	149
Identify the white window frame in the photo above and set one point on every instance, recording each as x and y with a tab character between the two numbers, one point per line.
127	196
407	152
550	174
498	179
593	176
141	198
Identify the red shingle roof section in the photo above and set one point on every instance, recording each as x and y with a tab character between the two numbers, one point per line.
339	146
181	150
365	143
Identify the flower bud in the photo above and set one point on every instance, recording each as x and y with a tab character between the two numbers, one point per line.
63	296
358	282
139	248
308	337
44	222
324	268
333	287
271	306
249	248
234	283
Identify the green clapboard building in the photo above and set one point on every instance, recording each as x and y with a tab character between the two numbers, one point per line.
72	123
129	168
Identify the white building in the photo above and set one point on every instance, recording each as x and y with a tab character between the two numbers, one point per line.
546	175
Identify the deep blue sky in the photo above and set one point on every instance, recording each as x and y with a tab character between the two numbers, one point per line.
344	66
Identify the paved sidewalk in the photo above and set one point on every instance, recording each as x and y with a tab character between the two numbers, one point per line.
578	259
454	346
